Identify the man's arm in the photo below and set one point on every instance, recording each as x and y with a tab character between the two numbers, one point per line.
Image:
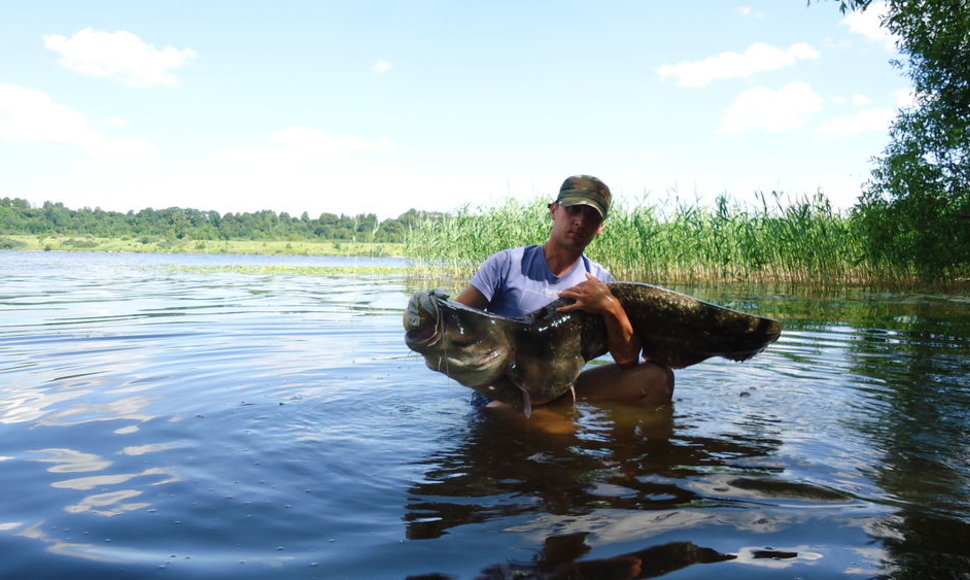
594	296
473	297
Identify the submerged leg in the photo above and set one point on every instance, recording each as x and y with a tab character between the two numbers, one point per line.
647	383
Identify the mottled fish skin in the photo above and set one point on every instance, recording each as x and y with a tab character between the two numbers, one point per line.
678	330
467	344
536	358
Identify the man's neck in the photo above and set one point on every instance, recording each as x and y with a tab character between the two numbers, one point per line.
561	260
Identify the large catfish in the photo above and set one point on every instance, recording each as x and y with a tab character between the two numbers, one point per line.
536	358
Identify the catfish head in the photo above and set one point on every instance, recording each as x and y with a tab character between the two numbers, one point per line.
468	345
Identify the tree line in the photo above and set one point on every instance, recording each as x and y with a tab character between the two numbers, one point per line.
916	205
18	217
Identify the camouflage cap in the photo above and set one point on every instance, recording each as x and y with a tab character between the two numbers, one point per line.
585	190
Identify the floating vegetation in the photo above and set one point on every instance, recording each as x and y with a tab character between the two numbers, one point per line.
284	270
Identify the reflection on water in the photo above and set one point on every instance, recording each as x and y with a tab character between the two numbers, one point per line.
229	416
618	459
559	555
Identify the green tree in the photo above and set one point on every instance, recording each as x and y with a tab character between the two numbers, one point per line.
916	206
18	217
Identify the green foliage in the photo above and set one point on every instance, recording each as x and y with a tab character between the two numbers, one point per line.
918	203
176	246
801	241
11	244
149	225
916	208
460	241
85	244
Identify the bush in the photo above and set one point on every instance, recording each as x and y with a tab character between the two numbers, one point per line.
11	244
73	243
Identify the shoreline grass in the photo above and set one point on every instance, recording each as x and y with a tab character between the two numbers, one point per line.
791	245
161	245
783	242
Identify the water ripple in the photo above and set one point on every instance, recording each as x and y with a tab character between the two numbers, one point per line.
254	424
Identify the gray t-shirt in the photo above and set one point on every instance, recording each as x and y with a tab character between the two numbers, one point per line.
518	281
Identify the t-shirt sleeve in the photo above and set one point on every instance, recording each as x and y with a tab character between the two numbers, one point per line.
602	273
491	274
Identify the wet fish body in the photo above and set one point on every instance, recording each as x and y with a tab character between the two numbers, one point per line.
536	358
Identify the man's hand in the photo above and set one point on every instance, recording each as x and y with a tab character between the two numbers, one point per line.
592	296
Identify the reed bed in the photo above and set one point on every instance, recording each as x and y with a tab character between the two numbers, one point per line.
777	241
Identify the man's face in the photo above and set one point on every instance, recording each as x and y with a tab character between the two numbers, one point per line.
576	225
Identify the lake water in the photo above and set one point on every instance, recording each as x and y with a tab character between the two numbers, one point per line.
166	416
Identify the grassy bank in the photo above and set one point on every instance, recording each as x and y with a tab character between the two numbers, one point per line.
160	245
779	241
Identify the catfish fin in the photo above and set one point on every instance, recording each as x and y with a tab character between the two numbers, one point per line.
526	403
512	373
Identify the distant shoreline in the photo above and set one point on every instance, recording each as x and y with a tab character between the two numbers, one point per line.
183	246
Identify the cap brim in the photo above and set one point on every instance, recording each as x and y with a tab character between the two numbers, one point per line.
582	201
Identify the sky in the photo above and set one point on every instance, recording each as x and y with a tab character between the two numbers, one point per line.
382	106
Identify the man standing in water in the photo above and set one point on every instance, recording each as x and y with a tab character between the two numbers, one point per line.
519	280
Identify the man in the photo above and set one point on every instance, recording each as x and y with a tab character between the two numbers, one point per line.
519	280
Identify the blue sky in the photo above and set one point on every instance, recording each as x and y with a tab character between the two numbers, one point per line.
379	106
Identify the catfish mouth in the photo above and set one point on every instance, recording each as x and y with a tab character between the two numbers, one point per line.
470	359
426	336
479	371
424	324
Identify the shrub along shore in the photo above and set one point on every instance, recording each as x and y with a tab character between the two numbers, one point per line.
186	246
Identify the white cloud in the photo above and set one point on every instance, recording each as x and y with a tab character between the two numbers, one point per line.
758	57
386	189
905	98
868	23
861	100
115	122
380	67
119	56
31	116
772	110
751	12
295	145
869	120
99	166
316	143
841	189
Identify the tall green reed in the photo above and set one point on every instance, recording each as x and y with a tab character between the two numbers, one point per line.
777	240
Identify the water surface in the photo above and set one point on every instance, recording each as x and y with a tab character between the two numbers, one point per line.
235	417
